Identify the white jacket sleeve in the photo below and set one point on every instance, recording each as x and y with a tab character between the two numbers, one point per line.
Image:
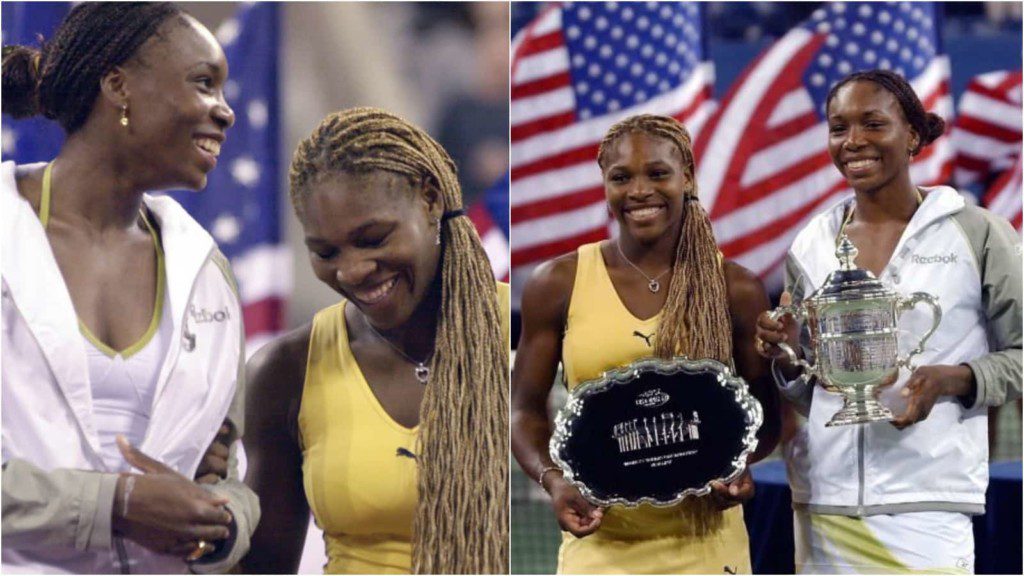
56	509
800	391
245	512
997	250
243	503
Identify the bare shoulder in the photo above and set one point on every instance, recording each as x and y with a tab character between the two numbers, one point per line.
29	178
742	284
278	370
34	171
550	286
557	273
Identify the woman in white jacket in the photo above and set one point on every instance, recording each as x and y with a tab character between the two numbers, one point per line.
121	322
898	496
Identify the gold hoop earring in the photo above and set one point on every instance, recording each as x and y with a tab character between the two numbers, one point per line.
124	115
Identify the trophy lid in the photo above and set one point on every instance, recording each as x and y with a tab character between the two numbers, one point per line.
850	282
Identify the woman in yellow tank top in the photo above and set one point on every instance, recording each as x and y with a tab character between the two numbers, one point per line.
388	416
659	289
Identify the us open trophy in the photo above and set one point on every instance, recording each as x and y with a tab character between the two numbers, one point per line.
656	432
852	321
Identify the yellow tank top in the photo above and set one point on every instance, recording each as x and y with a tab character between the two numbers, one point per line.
358	471
602	334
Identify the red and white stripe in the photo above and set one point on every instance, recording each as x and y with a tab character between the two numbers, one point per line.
1004	195
493	240
987	135
557	195
763	163
263	294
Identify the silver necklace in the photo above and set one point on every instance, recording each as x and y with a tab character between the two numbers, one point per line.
421	369
652	283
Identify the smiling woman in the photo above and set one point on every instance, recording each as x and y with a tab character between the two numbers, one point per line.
98	278
661	289
868	498
373	221
389	417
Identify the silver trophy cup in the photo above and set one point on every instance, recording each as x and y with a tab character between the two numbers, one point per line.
852	321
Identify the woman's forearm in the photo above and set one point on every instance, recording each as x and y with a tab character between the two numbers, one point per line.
531	433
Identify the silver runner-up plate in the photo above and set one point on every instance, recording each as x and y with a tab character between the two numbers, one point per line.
656	432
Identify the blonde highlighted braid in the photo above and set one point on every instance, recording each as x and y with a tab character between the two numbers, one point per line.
695	321
461	524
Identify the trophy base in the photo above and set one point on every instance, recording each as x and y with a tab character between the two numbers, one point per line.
860	411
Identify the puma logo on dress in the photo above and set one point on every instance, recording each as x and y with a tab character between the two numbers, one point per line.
646	338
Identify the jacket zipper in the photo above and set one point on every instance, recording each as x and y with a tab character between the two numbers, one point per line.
901	247
122	555
860	470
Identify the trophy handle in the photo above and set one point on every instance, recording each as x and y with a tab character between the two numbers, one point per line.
905	304
799	315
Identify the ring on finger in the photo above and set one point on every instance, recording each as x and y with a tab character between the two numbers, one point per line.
202	549
760	344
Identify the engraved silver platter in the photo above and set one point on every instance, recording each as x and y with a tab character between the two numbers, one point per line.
656	432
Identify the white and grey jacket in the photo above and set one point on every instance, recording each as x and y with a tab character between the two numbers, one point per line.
970	259
57	491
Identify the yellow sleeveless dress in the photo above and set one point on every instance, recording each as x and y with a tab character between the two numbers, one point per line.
602	334
358	467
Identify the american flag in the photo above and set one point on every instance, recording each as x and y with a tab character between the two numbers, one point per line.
490	217
240	204
577	69
1004	195
987	137
763	166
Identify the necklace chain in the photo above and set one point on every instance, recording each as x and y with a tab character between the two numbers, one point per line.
652	282
420	368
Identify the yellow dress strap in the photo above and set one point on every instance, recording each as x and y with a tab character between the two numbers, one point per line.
44	200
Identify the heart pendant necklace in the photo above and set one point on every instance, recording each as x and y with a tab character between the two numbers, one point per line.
422	373
420	367
652	283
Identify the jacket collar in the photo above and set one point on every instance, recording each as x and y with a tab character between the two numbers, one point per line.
187	247
939	202
30	273
37	287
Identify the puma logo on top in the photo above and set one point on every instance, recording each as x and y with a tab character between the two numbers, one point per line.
645	338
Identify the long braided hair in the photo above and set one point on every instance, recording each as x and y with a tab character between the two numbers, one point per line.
461	523
695	321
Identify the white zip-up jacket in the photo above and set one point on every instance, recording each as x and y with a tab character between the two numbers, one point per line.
970	260
57	491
